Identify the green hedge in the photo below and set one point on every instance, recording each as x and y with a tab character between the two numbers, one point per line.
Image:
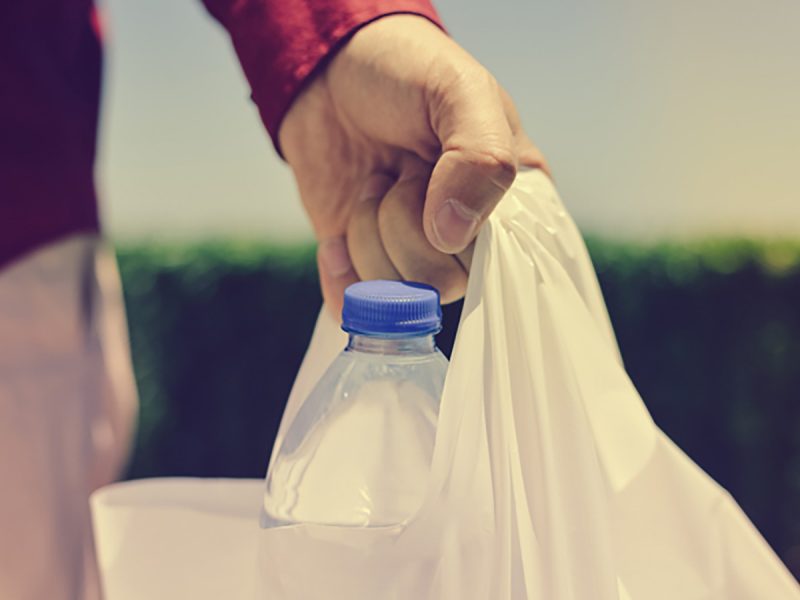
710	333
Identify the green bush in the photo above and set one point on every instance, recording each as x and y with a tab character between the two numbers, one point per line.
710	334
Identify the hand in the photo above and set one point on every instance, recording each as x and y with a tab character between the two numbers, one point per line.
401	147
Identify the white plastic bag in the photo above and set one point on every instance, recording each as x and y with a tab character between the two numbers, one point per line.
549	479
176	538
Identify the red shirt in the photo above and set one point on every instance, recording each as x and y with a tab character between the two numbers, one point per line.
50	76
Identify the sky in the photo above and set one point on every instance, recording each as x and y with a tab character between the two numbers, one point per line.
659	119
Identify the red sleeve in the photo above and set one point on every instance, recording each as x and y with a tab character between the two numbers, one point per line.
280	43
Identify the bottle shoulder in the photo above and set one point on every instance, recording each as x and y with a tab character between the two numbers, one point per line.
355	377
434	357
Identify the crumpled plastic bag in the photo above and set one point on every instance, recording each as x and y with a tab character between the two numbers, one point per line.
549	479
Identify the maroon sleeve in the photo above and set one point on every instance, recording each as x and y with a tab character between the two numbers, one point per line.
280	43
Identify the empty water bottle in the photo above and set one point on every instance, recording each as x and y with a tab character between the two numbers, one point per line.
359	450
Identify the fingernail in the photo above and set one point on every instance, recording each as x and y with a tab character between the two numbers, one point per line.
455	225
334	257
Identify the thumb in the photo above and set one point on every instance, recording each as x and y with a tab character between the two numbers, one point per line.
477	165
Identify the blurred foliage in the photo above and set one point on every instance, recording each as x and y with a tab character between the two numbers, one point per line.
710	334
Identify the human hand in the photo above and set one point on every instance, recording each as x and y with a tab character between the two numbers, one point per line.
401	147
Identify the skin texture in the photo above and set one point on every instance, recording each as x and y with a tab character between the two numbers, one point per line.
401	147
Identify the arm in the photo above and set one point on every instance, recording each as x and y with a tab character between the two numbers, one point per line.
401	143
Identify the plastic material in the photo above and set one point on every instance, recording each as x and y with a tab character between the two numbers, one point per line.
549	480
176	538
358	453
391	307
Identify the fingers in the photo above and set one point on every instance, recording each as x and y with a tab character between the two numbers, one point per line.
478	162
335	272
386	241
364	243
421	226
400	225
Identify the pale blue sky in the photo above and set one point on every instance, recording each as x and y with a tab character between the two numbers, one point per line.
659	118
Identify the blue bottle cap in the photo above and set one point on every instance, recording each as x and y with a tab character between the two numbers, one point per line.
392	308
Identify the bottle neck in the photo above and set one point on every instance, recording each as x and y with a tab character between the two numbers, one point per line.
420	344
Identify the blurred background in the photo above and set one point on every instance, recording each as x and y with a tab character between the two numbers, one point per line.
673	132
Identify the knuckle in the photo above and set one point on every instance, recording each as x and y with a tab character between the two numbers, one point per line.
498	163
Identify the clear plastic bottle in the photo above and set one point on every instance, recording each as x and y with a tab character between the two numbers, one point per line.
358	453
